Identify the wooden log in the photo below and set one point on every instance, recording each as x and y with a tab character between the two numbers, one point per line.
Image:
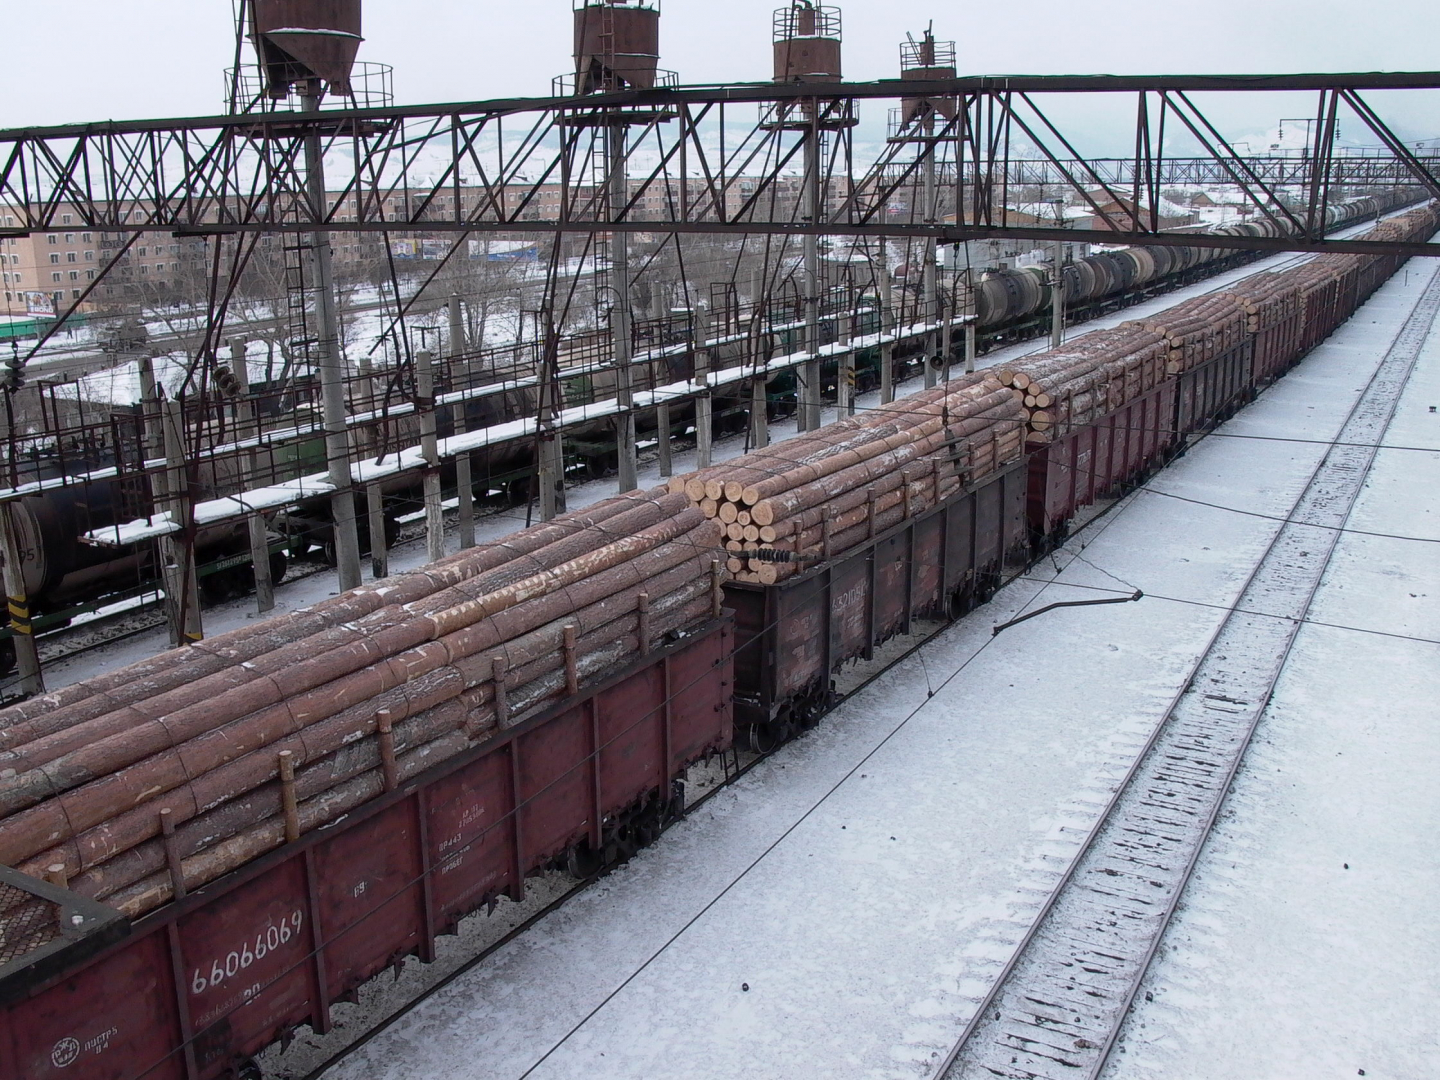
148	770
200	672
525	658
997	401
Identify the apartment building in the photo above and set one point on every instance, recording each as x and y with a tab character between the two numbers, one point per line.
45	272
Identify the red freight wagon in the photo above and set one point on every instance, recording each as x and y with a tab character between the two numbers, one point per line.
1098	459
1211	391
791	636
194	989
1277	346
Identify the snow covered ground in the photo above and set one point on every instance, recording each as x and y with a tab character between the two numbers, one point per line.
1306	942
841	910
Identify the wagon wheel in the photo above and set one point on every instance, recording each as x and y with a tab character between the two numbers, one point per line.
581	861
675	805
770	735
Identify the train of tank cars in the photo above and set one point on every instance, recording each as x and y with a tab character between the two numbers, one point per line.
64	576
205	850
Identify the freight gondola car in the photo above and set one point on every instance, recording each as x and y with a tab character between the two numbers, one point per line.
192	991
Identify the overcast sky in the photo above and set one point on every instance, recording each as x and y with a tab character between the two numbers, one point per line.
78	60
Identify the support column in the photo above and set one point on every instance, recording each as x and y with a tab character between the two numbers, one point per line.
248	423
759	422
947	331
808	384
425	403
887	324
845	377
332	381
704	414
464	485
662	438
1057	296
928	287
551	450
620	316
375	518
177	555
27	655
970	322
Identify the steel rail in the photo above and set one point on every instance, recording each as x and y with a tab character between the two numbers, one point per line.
1425	308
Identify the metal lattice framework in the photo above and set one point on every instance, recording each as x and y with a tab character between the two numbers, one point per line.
701	160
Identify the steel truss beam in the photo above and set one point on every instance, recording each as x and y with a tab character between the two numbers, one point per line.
700	160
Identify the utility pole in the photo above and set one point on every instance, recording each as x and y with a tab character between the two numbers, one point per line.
464	492
177	556
970	321
551	453
327	347
429	453
808	418
887	325
704	417
249	424
620	314
1057	296
27	655
759	417
929	286
845	380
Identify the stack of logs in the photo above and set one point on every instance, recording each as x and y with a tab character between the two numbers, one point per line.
138	785
822	493
1196	330
1266	299
1085	378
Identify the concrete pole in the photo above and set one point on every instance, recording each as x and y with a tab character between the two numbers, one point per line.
332	380
845	376
551	465
970	323
704	415
27	655
375	520
663	448
464	489
249	424
429	452
12	571
947	329
1057	296
177	557
929	287
808	406
887	324
620	316
759	422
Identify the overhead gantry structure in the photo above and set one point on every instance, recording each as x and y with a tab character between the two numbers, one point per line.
481	167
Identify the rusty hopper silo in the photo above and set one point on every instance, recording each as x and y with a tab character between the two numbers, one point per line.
807	43
301	40
927	60
617	45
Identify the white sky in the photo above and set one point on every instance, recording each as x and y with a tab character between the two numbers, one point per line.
79	60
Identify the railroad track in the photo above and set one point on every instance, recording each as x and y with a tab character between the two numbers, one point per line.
1058	1007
